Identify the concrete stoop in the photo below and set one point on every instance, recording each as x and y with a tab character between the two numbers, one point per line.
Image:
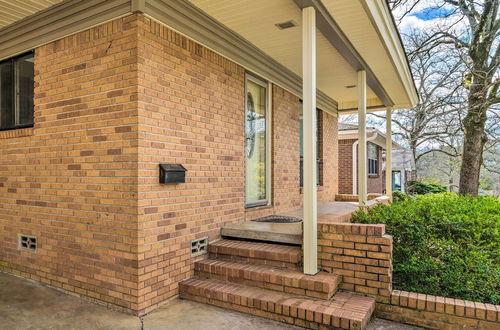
264	279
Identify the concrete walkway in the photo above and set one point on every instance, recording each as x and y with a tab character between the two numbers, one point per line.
27	304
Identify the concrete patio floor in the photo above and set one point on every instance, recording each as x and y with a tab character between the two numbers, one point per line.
26	304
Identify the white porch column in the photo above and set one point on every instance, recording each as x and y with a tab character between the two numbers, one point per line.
388	152
309	118
362	168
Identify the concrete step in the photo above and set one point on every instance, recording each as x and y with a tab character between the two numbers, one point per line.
290	233
344	311
322	285
256	252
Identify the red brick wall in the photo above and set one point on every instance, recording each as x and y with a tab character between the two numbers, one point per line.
345	166
375	183
111	103
71	181
439	312
361	253
191	111
286	191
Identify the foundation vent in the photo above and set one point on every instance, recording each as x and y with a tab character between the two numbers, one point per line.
28	243
199	246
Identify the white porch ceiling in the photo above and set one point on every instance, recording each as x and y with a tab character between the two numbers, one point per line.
15	10
255	21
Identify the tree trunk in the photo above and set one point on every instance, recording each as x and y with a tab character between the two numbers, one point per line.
474	138
472	159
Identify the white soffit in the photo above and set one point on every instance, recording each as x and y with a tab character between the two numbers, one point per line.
371	42
15	10
255	21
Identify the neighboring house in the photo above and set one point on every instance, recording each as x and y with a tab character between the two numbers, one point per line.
95	95
348	159
403	169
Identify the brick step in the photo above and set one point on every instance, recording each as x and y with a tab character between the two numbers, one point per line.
256	252
344	311
322	285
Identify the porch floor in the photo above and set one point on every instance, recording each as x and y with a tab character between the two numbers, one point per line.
336	212
291	233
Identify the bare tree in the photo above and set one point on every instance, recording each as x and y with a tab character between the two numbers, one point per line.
435	121
476	44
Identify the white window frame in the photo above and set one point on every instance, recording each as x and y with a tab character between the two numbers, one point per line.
268	87
373	145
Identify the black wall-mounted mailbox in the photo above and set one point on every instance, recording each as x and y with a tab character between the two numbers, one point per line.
172	173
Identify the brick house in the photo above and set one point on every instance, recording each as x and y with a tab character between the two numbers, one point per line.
96	94
348	159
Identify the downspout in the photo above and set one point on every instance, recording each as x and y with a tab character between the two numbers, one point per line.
355	163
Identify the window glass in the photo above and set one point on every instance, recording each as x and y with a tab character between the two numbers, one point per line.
24	68
6	95
372	159
256	142
16	92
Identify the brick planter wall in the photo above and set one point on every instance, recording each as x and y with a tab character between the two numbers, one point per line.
362	254
439	312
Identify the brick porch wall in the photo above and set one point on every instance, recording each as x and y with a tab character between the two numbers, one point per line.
362	254
71	181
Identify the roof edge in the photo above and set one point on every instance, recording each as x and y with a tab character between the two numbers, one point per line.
384	23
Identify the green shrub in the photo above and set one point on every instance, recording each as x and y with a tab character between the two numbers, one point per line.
399	196
444	244
420	188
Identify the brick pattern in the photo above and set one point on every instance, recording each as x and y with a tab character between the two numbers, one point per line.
286	191
71	180
256	252
294	281
16	133
345	166
111	103
439	312
191	111
375	183
354	198
361	253
346	311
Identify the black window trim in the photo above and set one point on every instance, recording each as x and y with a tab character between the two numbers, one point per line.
12	59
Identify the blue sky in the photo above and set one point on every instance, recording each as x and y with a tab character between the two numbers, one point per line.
431	13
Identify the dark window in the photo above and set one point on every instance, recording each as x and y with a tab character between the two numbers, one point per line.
16	92
372	159
319	147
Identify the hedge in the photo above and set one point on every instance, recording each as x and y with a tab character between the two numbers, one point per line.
444	244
